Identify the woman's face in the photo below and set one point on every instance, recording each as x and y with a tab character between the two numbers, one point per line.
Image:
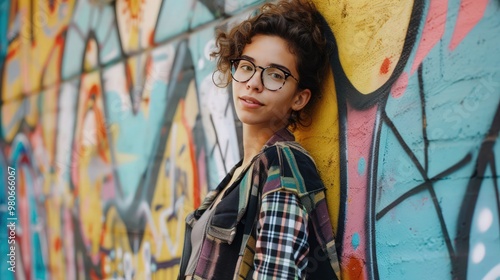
255	104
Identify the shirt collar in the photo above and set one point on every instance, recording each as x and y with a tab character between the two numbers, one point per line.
281	135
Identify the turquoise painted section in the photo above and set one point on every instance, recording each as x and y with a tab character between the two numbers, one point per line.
35	237
461	94
410	242
201	15
174	19
4	16
4	215
361	166
234	7
144	128
485	232
103	28
355	241
75	41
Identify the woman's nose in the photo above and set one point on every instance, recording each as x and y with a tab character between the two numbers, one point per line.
256	81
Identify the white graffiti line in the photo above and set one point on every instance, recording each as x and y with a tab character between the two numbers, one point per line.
175	204
146	258
171	171
145	211
219	127
173	210
128	266
161	232
493	274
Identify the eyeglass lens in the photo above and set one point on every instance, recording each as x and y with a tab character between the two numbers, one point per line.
272	78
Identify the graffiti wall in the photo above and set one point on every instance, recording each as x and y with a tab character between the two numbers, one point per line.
417	87
104	129
112	131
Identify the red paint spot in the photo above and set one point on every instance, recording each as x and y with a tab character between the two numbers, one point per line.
22	188
399	87
384	69
152	38
354	269
52	6
94	90
433	30
57	244
149	67
93	275
11	54
129	78
470	13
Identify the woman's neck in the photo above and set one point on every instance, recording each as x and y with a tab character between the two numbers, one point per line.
254	138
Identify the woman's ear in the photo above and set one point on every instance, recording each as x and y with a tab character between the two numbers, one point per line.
301	99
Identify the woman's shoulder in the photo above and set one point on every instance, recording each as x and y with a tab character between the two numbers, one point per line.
287	151
294	166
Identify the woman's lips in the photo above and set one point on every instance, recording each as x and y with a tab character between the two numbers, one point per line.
250	102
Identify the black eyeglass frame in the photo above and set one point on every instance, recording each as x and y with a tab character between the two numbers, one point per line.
287	74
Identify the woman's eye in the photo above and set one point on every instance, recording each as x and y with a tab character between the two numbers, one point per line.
277	76
246	67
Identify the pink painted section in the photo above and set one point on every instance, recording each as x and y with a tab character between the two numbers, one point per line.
360	129
69	244
433	30
202	178
23	238
74	165
108	191
470	13
399	87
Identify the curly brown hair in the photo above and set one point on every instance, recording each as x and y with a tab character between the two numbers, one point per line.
299	24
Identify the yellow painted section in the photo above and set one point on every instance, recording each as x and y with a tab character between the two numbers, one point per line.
321	139
115	239
173	197
36	52
91	149
370	36
369	45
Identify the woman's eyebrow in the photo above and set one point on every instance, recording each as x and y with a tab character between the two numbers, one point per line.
280	67
248	58
284	68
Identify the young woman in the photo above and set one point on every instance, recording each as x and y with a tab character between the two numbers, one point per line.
268	218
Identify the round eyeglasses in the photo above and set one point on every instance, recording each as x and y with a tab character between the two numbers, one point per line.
272	77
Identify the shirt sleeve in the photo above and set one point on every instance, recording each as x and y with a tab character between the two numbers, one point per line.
281	248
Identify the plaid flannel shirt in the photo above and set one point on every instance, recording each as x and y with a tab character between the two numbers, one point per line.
272	222
281	248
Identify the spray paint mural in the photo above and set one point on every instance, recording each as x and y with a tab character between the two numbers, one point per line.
101	117
418	92
110	118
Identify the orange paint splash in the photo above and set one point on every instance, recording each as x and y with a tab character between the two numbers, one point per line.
152	38
192	148
57	244
354	269
384	69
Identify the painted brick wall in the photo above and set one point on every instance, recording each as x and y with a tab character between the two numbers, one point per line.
115	131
